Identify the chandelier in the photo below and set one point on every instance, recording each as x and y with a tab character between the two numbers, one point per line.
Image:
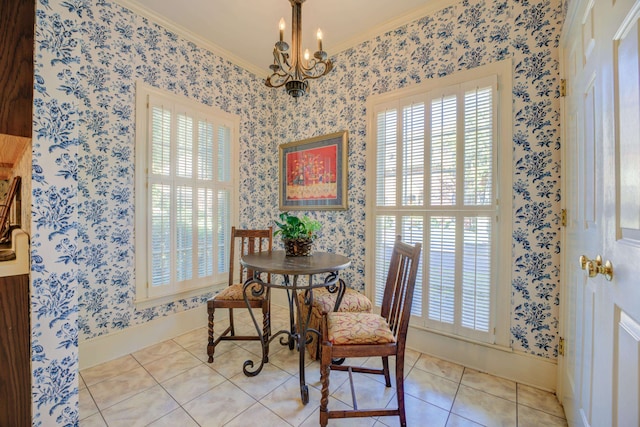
292	70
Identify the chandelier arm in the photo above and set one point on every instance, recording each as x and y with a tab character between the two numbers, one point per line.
326	66
289	69
277	80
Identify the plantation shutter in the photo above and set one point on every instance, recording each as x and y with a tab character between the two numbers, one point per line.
435	183
190	182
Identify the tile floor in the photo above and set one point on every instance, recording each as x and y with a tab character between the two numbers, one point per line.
170	384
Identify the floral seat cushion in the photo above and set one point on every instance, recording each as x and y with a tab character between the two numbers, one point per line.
358	328
324	302
234	293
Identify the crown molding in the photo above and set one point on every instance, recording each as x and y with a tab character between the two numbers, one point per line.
394	23
370	34
190	35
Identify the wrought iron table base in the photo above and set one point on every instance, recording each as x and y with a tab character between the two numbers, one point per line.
296	336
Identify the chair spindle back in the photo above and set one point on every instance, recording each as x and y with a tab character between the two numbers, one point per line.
398	291
249	242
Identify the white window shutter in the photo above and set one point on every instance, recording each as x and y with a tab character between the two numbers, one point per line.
440	191
190	186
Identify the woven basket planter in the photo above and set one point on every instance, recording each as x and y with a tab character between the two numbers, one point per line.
298	247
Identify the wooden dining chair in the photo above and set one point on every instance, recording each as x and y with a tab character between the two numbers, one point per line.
348	335
325	302
232	297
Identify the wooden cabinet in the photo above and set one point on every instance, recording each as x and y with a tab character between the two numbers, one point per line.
17	21
15	374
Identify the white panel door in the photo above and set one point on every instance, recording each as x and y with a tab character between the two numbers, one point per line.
582	157
600	373
621	328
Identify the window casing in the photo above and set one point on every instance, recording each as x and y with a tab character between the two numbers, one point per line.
442	167
185	195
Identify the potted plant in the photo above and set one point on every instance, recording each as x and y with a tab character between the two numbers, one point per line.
298	233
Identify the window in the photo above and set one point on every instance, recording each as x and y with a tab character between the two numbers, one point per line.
185	192
442	167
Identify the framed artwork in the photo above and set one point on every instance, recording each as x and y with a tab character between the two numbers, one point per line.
313	173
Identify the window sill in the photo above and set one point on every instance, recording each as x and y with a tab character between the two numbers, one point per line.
460	338
141	304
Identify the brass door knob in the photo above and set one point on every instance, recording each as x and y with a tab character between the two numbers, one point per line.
584	260
606	270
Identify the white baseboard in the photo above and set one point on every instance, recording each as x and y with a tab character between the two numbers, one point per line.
518	367
522	368
117	344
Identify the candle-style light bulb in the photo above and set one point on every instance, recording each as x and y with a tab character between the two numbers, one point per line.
281	26
306	57
319	35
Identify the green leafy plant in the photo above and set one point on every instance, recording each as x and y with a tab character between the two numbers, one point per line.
293	227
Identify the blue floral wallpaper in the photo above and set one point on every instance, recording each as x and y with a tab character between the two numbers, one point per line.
89	55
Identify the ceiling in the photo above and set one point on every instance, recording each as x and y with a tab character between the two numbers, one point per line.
244	31
12	149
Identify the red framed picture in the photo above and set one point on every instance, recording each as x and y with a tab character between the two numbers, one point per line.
313	173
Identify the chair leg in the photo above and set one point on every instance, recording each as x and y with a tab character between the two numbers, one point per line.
231	327
325	366
211	348
385	368
400	390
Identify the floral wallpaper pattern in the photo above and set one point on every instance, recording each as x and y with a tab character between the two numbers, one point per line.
89	55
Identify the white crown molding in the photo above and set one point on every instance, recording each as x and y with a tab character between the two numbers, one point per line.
392	24
190	35
370	34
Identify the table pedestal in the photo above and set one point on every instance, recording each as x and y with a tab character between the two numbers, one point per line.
292	269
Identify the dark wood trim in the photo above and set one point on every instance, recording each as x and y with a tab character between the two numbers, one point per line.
17	20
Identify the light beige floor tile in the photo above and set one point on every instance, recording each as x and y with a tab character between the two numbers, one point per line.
431	388
116	389
458	421
87	406
109	369
376	363
219	405
285	402
528	417
94	420
449	370
540	399
417	412
178	417
230	363
141	409
197	336
411	356
336	405
369	393
288	360
254	347
200	350
280	322
81	383
255	413
262	384
172	365
500	387
484	408
155	352
192	383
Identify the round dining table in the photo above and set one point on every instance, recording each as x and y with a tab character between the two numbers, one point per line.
293	270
